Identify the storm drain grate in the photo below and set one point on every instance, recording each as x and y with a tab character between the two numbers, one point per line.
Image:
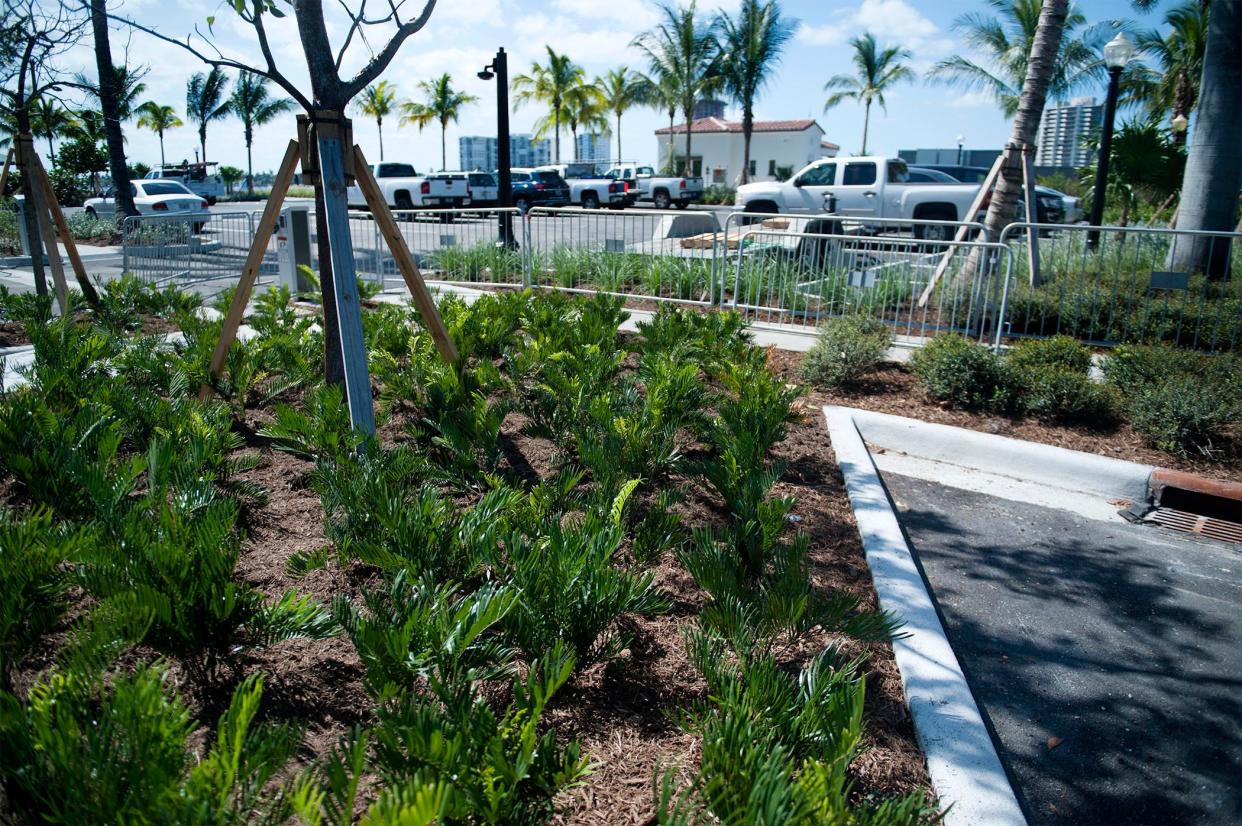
1194	523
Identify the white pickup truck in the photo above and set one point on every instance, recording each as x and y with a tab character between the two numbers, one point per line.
662	192
404	188
866	187
590	190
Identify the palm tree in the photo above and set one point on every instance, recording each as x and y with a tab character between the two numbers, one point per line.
622	90
232	176
441	104
585	107
1179	53
253	106
548	84
662	95
683	49
49	119
1214	165
159	119
751	47
376	102
878	72
205	101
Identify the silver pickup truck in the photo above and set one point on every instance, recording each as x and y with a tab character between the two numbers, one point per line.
866	187
590	190
662	192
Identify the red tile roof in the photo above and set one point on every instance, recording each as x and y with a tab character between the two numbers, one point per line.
708	125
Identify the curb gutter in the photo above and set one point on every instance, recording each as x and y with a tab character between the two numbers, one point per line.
962	762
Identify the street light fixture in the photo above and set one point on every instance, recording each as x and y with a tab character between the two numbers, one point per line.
1180	124
499	69
1117	53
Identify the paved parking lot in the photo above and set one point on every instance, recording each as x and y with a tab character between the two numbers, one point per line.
1107	656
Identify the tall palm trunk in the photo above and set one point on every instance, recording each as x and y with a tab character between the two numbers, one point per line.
672	152
689	131
556	126
443	145
202	141
1214	167
51	151
748	128
1041	65
619	155
866	124
379	125
162	164
109	101
249	161
573	131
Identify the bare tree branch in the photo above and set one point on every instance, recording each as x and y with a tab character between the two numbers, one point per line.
380	62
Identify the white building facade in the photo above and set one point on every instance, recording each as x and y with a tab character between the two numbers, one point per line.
1063	132
777	148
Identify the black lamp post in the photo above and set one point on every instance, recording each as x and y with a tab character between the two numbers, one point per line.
499	69
1117	53
961	139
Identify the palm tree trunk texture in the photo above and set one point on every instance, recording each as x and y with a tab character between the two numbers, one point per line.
672	160
1040	68
51	150
556	125
109	99
748	128
1214	167
443	148
162	162
689	113
379	124
619	155
866	124
249	163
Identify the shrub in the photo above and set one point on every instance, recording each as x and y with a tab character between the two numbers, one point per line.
1184	414
961	372
1133	367
82	753
83	227
1059	352
492	768
846	349
571	590
1063	394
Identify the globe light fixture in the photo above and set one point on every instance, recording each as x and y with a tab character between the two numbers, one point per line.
1118	51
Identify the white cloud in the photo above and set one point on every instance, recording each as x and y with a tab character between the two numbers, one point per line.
970	100
893	22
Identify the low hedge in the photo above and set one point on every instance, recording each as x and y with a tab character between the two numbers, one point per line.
847	348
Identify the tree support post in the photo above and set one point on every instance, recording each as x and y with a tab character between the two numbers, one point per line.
27	161
66	236
985	187
1032	215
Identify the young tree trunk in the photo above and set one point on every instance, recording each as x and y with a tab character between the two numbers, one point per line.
109	101
866	124
1041	66
748	127
1214	167
33	237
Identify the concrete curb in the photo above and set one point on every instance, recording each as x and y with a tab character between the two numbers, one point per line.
963	764
1056	467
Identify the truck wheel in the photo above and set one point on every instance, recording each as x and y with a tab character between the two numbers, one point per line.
590	200
661	200
404	203
935	233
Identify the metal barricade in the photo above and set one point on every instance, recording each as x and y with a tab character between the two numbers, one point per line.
188	249
802	278
1112	285
662	255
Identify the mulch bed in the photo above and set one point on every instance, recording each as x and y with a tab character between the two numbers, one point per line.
12	334
893	389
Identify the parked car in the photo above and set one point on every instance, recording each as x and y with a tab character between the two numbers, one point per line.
662	192
403	188
538	187
154	197
483	189
863	187
1048	211
194	177
591	190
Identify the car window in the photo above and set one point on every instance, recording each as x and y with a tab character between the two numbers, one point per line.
859	174
822	175
479	179
550	178
646	170
165	188
519	176
898	173
918	177
396	170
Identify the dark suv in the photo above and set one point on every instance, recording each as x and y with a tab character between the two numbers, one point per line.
539	188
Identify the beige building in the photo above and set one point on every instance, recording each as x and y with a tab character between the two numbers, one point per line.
775	145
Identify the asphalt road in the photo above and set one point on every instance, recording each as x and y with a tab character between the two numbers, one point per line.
1106	656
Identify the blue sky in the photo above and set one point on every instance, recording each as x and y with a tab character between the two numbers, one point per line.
463	35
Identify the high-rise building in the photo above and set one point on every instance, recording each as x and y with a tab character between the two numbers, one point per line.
482	152
592	147
1063	133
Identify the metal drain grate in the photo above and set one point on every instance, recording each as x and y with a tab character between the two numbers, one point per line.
1194	523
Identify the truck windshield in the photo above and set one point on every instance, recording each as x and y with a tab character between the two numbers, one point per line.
395	170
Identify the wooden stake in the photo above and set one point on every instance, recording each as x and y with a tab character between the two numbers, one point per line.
387	226
66	236
254	259
27	160
4	173
1032	216
984	188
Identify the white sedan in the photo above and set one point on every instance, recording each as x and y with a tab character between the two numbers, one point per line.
158	196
